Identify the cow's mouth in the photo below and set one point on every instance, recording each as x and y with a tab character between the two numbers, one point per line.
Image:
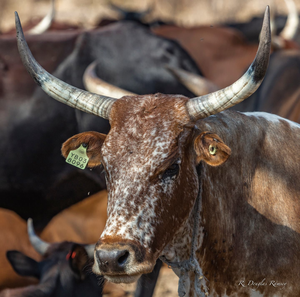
126	279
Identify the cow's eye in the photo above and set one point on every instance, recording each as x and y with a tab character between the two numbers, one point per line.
171	171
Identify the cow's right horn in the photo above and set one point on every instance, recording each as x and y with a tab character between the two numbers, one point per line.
39	245
57	89
204	106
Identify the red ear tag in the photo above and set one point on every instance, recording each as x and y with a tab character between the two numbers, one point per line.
73	255
68	255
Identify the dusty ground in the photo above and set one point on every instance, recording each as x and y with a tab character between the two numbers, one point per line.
186	12
166	286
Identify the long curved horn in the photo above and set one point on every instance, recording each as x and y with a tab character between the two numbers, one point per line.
90	248
96	85
57	89
290	29
204	106
39	245
195	83
45	23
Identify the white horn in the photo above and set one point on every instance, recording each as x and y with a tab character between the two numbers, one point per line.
96	85
197	84
204	106
39	245
59	90
291	27
45	23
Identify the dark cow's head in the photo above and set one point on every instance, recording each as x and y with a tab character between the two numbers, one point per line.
63	270
150	157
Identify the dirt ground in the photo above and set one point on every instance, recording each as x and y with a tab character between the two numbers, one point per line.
166	286
86	13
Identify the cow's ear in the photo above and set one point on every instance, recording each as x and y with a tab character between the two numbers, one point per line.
210	148
22	264
93	141
78	259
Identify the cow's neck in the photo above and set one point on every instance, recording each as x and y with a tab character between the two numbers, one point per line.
239	214
248	217
180	254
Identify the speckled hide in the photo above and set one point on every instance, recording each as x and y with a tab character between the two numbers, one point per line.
249	242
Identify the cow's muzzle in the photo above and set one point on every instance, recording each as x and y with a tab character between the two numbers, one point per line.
112	260
121	262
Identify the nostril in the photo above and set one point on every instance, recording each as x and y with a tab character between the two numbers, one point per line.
122	260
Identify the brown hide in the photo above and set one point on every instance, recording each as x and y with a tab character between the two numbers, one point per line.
13	236
82	223
250	207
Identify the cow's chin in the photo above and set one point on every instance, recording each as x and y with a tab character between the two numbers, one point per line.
125	279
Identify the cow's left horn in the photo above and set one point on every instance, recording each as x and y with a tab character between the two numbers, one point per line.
204	106
290	29
57	89
96	85
39	245
45	23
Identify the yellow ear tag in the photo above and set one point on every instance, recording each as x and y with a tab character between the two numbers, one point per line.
78	157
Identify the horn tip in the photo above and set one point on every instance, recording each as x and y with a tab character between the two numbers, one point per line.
30	225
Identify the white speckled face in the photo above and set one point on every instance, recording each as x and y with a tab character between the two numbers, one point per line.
146	163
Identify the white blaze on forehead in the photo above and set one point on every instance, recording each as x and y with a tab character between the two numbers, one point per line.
143	143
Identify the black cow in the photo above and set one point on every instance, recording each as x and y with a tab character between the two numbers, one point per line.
63	271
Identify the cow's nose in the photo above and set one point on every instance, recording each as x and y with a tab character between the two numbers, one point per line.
112	260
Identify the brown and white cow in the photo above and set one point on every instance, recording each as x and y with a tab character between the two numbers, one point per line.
165	151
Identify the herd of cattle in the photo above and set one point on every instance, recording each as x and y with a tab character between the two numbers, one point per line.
162	158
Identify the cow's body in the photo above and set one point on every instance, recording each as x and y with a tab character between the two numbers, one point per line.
250	209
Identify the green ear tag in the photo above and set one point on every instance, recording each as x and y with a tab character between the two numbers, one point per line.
78	157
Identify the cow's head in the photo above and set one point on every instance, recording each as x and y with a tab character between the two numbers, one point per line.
150	158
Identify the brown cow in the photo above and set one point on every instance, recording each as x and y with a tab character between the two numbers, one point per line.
171	194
